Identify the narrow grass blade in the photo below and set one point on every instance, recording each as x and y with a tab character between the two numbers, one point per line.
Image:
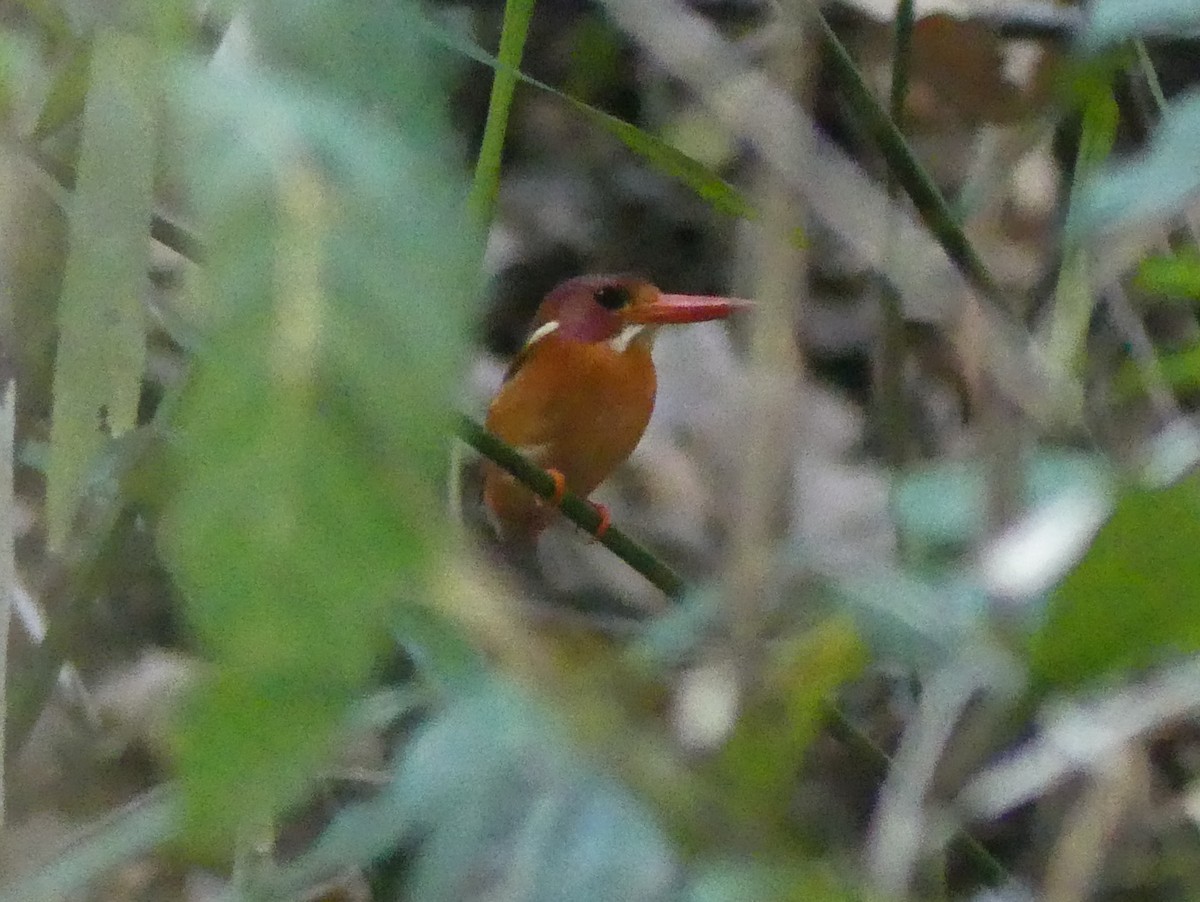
8	568
902	164
101	350
517	15
667	159
121	836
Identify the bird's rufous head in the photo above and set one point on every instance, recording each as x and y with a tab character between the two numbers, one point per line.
599	308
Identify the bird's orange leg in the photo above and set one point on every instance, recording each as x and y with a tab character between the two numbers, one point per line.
560	492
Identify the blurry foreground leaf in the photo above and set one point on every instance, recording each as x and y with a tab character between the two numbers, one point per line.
759	762
101	346
497	802
909	620
1158	182
68	89
312	431
1112	21
731	882
1129	603
1175	276
944	504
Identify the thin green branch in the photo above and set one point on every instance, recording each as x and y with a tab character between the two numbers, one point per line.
1153	85
8	566
903	165
517	15
877	762
892	346
574	508
901	60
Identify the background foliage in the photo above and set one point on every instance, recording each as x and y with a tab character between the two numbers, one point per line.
900	602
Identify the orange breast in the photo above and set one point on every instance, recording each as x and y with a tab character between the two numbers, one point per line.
577	407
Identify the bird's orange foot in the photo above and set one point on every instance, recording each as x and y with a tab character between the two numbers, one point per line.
560	486
560	492
605	520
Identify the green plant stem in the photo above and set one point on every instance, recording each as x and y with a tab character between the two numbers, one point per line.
903	165
892	346
517	15
8	566
574	508
1148	73
877	762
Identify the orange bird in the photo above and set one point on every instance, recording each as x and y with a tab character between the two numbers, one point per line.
578	396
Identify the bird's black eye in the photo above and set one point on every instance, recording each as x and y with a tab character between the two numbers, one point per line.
613	297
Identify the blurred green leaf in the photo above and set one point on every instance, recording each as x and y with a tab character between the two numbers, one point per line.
1071	314
50	16
68	91
101	346
1112	21
493	780
372	53
1174	276
253	738
20	66
736	882
906	619
759	762
944	504
494	797
311	435
1158	182
1129	602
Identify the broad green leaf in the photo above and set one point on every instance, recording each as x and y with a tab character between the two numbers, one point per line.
1113	21
493	779
1129	603
944	504
101	346
490	793
913	621
1175	276
758	763
760	882
1159	182
253	739
339	270
68	91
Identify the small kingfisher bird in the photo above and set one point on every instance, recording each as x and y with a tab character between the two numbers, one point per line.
579	395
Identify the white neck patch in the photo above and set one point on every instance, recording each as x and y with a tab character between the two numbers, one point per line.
540	332
623	339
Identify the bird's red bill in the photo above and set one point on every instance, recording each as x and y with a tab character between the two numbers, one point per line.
684	308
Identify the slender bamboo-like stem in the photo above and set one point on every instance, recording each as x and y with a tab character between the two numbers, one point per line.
8	568
517	15
574	508
892	349
902	164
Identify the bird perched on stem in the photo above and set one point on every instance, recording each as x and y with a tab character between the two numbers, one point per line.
579	395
